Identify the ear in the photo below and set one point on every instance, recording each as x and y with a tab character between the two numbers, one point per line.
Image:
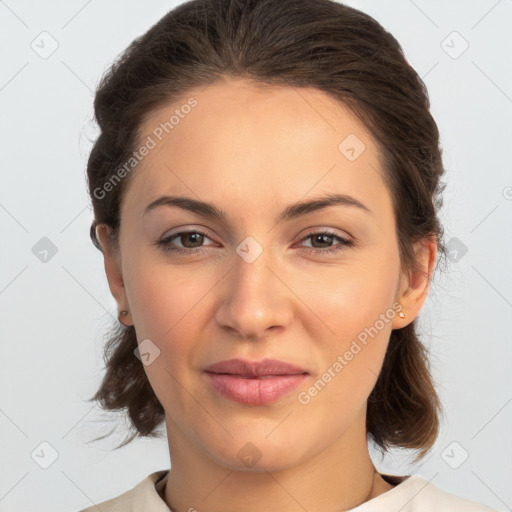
112	263
414	285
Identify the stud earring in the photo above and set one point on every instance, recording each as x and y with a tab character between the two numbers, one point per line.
401	314
121	315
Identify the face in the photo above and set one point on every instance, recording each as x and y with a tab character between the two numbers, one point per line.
316	288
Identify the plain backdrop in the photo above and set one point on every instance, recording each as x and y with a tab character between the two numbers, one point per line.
55	304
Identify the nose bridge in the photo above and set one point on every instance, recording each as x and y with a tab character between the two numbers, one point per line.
254	298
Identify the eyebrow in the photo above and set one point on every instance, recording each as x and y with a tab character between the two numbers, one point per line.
292	211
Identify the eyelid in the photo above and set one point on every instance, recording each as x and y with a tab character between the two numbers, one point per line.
332	231
193	229
343	242
308	231
186	229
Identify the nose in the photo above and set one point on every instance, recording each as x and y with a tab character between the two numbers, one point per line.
255	299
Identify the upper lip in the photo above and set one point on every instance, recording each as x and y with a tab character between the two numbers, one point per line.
246	368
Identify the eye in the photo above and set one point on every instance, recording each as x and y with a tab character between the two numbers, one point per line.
193	242
195	236
321	236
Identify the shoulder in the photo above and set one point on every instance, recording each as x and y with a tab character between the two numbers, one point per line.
420	495
143	496
415	494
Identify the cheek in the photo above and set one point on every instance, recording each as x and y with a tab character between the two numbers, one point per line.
168	308
352	296
355	302
166	303
163	298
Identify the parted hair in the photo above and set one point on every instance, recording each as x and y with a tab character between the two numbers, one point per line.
302	43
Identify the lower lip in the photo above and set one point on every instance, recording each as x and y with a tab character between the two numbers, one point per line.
254	391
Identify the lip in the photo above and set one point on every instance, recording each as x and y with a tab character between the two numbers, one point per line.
254	382
247	368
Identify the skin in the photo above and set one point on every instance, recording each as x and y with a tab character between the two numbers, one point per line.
253	151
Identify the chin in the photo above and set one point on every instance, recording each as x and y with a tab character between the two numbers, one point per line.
255	453
265	463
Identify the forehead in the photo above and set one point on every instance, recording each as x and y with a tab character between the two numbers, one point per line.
242	142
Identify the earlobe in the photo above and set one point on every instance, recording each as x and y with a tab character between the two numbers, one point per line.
418	281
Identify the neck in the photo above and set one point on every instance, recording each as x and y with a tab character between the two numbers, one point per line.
340	477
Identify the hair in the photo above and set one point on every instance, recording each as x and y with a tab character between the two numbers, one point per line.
301	43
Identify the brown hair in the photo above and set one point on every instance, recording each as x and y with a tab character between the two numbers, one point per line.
303	43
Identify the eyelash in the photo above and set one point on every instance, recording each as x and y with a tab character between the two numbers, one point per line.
165	243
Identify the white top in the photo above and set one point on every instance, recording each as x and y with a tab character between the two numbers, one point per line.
412	494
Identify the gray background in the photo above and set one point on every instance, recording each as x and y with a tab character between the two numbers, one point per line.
55	307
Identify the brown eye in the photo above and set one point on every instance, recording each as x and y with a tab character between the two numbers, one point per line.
190	236
323	237
191	241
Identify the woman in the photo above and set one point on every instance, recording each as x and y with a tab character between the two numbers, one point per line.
266	187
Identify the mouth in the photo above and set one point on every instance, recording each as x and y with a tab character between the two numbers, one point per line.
254	382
